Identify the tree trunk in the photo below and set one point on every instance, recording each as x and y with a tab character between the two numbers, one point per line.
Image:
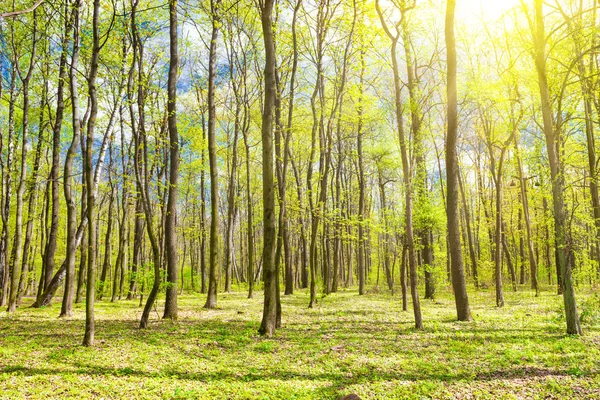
106	264
552	134
472	254
17	251
211	300
50	248
88	339
456	261
269	320
171	218
67	303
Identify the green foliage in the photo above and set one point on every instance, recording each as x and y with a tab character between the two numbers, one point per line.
590	310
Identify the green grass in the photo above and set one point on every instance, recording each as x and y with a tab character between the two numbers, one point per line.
347	344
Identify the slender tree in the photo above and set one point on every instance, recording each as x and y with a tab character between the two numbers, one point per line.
459	284
171	218
564	256
269	319
211	300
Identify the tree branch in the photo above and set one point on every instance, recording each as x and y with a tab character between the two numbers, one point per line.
16	13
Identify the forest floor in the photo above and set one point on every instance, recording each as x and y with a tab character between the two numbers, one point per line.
347	344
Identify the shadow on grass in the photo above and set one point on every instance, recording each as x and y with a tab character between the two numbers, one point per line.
237	332
337	379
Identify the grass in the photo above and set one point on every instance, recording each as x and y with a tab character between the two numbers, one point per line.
347	344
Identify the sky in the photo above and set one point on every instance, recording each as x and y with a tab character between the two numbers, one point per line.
471	11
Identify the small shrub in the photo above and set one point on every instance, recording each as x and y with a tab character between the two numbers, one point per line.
590	310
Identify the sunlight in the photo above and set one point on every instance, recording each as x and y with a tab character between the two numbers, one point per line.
472	12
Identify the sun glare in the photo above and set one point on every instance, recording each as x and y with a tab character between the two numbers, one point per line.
476	11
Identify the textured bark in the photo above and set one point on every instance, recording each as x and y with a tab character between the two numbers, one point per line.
88	339
269	319
17	251
406	168
7	195
459	285
171	217
552	134
67	303
142	169
50	247
211	300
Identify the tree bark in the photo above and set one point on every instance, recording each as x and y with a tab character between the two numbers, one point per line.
456	260
171	218
211	300
17	251
552	134
67	303
88	339
269	320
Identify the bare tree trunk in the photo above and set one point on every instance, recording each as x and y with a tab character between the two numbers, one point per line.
50	248
361	187
171	218
231	187
406	167
142	170
7	197
403	276
106	264
211	300
67	303
269	320
456	260
88	339
420	179
552	134
509	262
138	237
474	269
17	255
82	269
249	220
33	198
123	250
203	216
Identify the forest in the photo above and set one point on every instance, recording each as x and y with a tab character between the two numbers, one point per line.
299	199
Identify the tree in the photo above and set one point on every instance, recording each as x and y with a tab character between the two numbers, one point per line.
406	163
552	134
88	339
17	254
211	300
67	304
456	262
269	320
171	220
